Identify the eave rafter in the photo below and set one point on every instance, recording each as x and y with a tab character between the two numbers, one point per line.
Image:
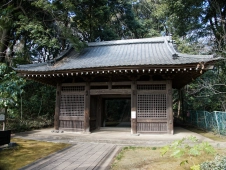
181	74
116	70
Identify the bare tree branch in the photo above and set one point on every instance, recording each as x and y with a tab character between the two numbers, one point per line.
6	3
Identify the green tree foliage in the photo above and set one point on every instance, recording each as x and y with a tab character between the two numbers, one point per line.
198	18
41	29
28	29
137	19
10	87
110	20
38	100
91	19
199	28
208	92
184	15
54	23
35	28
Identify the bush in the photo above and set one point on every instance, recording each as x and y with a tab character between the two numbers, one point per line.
17	125
219	163
184	147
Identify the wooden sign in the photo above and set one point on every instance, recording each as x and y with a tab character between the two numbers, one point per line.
133	115
2	117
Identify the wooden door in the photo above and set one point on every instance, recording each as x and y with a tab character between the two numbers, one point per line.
72	107
152	108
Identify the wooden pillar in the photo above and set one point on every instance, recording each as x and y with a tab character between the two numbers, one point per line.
134	107
87	108
57	107
169	107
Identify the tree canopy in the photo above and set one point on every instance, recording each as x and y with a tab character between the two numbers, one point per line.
38	30
42	29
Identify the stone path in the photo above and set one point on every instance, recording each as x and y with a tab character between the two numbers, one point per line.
83	156
95	151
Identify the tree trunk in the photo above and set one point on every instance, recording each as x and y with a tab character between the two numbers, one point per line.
4	123
4	35
91	38
179	104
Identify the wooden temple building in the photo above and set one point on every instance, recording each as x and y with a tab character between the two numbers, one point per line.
142	70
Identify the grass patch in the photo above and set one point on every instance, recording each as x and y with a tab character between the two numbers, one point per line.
150	158
209	135
27	152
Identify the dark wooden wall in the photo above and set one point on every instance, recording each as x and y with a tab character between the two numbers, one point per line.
78	105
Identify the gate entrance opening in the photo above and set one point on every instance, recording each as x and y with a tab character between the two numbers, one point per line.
110	111
117	113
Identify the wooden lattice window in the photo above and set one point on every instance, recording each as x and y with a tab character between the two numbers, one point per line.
151	106
72	105
152	87
73	88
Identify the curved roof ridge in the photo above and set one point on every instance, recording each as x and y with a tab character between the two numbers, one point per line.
169	45
29	65
58	58
63	53
127	41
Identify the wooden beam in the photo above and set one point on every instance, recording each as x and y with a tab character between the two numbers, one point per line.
73	92
152	91
106	83
153	132
87	108
134	108
108	91
57	107
73	84
121	83
151	82
98	83
152	120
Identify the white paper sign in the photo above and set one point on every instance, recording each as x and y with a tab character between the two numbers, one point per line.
2	117
133	114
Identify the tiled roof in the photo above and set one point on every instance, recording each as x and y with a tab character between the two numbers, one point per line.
150	52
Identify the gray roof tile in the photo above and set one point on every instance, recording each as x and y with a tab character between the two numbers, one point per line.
121	53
